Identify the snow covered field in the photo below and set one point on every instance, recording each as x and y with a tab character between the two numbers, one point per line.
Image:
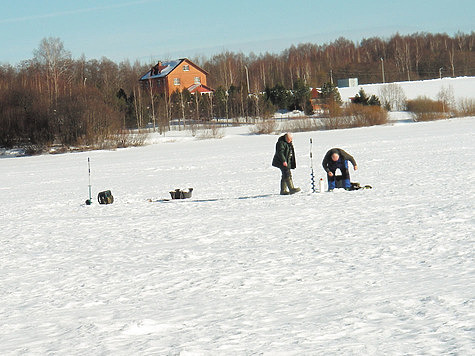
459	88
241	270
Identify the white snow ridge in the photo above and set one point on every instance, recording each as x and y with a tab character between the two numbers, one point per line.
238	269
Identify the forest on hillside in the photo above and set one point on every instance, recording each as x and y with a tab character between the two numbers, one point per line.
412	57
55	99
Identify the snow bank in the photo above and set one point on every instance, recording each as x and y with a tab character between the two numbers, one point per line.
461	88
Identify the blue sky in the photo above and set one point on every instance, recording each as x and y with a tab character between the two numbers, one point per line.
147	30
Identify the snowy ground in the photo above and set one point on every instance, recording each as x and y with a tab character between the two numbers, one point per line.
387	271
459	88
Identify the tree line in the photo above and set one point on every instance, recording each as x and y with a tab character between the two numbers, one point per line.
400	58
55	99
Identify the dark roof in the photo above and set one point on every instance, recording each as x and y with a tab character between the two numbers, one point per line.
169	66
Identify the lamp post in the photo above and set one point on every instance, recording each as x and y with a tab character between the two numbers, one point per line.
382	68
256	96
247	77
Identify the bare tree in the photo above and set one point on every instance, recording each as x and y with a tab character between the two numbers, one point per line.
452	59
56	60
392	97
447	98
152	104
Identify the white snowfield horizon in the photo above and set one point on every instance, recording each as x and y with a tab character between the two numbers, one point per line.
242	270
458	89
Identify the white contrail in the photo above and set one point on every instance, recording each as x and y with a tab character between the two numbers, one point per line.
72	12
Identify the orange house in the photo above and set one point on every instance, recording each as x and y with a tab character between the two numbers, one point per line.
180	74
316	100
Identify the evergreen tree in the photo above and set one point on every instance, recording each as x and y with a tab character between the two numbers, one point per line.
301	94
308	108
279	96
360	98
220	99
266	108
363	99
125	105
175	103
330	93
234	101
205	107
374	101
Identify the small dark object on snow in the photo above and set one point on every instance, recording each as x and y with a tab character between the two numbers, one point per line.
88	202
181	194
354	185
358	186
105	197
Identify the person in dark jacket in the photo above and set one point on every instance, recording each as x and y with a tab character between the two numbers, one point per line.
334	159
284	159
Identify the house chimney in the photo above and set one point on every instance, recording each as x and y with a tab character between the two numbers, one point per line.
156	69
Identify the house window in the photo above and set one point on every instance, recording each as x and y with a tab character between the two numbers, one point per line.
197	80
186	68
176	81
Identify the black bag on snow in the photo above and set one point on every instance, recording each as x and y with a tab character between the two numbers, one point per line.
105	197
181	194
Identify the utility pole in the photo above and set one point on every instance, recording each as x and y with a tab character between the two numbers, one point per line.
247	77
382	69
150	84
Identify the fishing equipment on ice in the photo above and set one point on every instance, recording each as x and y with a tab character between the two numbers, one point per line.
312	176
181	194
105	197
339	183
89	201
358	186
321	185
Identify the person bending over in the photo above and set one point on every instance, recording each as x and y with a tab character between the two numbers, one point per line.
334	159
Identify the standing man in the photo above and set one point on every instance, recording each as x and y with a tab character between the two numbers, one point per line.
284	159
334	159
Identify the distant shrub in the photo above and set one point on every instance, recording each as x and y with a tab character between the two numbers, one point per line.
34	149
466	107
366	115
335	123
129	138
425	109
334	109
302	125
356	115
122	139
264	127
212	131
